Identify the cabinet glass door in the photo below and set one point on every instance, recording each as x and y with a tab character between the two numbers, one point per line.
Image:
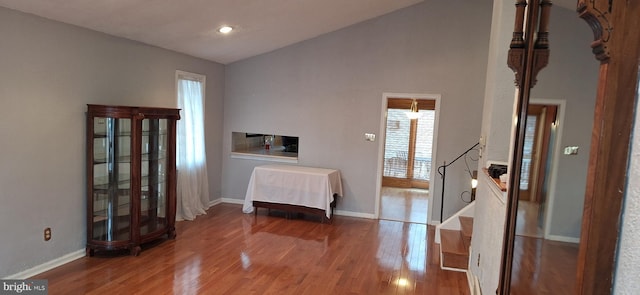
111	179
154	184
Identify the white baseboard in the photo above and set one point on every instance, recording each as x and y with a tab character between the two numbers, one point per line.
563	239
354	214
470	282
215	202
47	265
474	284
232	201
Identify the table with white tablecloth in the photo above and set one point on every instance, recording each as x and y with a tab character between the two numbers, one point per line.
304	189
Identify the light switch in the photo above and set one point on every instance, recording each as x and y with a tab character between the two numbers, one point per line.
369	137
571	150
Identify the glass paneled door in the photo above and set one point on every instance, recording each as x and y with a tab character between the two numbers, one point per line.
112	179
153	166
408	144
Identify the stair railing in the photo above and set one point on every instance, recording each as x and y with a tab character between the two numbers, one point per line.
442	170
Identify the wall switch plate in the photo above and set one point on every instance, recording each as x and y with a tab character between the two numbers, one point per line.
369	137
571	150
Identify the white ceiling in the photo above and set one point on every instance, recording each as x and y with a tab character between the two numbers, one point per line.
189	26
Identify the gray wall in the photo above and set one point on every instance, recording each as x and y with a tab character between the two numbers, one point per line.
49	72
328	91
572	75
500	87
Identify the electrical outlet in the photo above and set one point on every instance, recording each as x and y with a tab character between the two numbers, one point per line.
47	234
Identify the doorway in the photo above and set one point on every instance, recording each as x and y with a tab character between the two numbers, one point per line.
535	173
407	147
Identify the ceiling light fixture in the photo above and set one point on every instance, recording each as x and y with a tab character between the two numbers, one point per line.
414	112
225	29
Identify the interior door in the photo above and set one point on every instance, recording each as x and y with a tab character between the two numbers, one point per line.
540	123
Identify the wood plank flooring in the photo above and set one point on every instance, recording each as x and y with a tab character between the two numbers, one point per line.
543	267
404	204
527	221
228	252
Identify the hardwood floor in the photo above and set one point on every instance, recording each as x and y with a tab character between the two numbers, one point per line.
543	267
527	221
228	252
404	204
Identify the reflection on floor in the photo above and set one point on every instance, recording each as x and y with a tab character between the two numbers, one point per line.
228	252
543	267
540	266
404	204
527	222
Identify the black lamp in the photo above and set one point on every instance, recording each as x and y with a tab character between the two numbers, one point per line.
474	184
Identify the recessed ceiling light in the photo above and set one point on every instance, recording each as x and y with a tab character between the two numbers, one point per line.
225	29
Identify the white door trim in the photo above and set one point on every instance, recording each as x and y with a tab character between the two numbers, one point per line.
382	138
557	151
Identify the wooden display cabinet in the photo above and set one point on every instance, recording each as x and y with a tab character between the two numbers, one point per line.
131	176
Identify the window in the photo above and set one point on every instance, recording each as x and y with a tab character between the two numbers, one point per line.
193	187
191	125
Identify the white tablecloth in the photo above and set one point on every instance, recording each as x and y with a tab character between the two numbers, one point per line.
294	185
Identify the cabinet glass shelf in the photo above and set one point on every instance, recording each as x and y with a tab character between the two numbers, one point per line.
101	158
124	183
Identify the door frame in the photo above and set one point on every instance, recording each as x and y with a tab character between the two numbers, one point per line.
557	151
382	139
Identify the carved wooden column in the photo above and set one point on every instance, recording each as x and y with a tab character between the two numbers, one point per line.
617	46
527	56
523	46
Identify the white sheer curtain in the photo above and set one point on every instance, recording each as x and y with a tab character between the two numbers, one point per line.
191	161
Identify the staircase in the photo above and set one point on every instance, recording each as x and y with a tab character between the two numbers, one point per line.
454	236
454	245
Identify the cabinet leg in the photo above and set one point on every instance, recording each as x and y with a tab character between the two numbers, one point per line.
171	234
90	252
135	251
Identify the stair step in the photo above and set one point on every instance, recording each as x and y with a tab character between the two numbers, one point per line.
451	242
455	261
454	253
466	227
